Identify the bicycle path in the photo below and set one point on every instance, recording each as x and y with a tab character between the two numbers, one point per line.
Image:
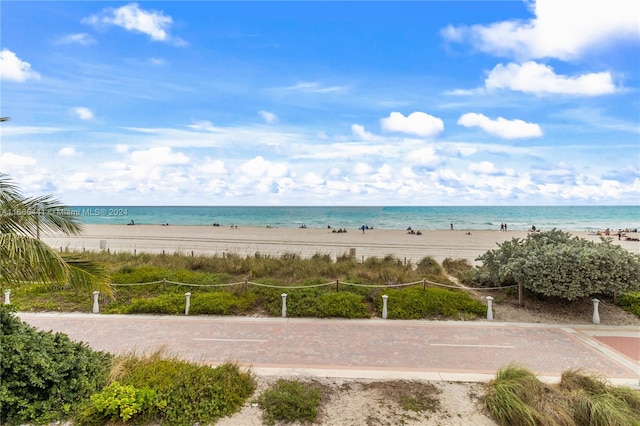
363	349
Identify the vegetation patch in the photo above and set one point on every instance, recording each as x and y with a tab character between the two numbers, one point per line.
290	401
630	302
516	397
418	303
44	374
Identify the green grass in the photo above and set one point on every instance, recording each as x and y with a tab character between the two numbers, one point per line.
630	302
517	398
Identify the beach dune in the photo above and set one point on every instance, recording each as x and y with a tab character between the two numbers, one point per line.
245	241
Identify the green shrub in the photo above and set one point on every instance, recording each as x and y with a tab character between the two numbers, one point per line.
44	374
168	304
221	303
209	393
289	401
416	303
630	302
122	402
342	305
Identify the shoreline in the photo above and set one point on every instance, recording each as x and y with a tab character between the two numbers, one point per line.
306	242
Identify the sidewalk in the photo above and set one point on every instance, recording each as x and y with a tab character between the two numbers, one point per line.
365	349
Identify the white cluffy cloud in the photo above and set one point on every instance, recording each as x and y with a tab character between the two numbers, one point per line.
68	151
563	29
416	123
532	77
507	129
132	18
268	117
13	68
83	113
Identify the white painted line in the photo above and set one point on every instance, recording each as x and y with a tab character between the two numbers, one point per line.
471	346
231	340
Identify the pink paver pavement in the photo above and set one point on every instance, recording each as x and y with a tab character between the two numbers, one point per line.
357	348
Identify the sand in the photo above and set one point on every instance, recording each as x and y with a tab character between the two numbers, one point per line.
304	242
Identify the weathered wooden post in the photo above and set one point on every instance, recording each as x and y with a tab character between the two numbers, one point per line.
7	296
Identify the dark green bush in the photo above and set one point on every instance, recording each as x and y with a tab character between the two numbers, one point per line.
220	303
44	373
342	305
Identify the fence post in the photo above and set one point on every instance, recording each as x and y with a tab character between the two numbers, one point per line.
188	303
424	283
164	284
96	306
337	286
284	305
596	315
489	308
519	294
246	286
384	306
7	296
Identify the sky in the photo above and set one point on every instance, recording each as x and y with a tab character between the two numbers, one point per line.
322	103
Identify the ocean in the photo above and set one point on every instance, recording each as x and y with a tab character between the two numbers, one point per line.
566	218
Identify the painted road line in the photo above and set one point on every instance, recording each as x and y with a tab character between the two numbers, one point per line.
230	340
471	346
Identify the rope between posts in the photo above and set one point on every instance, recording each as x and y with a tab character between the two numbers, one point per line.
205	285
132	284
292	286
381	285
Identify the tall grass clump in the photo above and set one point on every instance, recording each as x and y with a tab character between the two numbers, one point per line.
516	397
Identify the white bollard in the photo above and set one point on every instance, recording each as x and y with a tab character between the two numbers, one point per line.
7	296
188	304
489	308
96	307
284	305
384	306
596	315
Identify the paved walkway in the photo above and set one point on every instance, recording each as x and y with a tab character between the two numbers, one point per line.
428	350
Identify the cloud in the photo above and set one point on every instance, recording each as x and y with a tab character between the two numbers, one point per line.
121	148
159	156
202	125
532	77
13	68
507	129
83	113
424	157
268	117
561	29
130	17
82	39
68	151
259	167
416	123
12	161
483	167
360	132
314	87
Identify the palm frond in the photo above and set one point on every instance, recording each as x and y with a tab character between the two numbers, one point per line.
88	275
26	259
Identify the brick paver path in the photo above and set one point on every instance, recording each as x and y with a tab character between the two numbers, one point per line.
341	345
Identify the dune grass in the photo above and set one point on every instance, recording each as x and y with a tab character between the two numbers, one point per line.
516	397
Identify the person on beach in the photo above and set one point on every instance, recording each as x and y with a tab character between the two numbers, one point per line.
452	226
363	228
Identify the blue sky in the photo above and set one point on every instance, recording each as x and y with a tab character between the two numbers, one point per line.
323	103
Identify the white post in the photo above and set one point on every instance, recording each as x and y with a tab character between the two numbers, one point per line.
7	296
596	315
489	308
96	307
186	306
284	305
384	306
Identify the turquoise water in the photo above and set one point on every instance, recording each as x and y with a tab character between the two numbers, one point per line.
577	218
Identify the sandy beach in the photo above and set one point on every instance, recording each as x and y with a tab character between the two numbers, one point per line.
304	242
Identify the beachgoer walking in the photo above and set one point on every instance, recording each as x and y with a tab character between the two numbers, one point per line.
452	226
